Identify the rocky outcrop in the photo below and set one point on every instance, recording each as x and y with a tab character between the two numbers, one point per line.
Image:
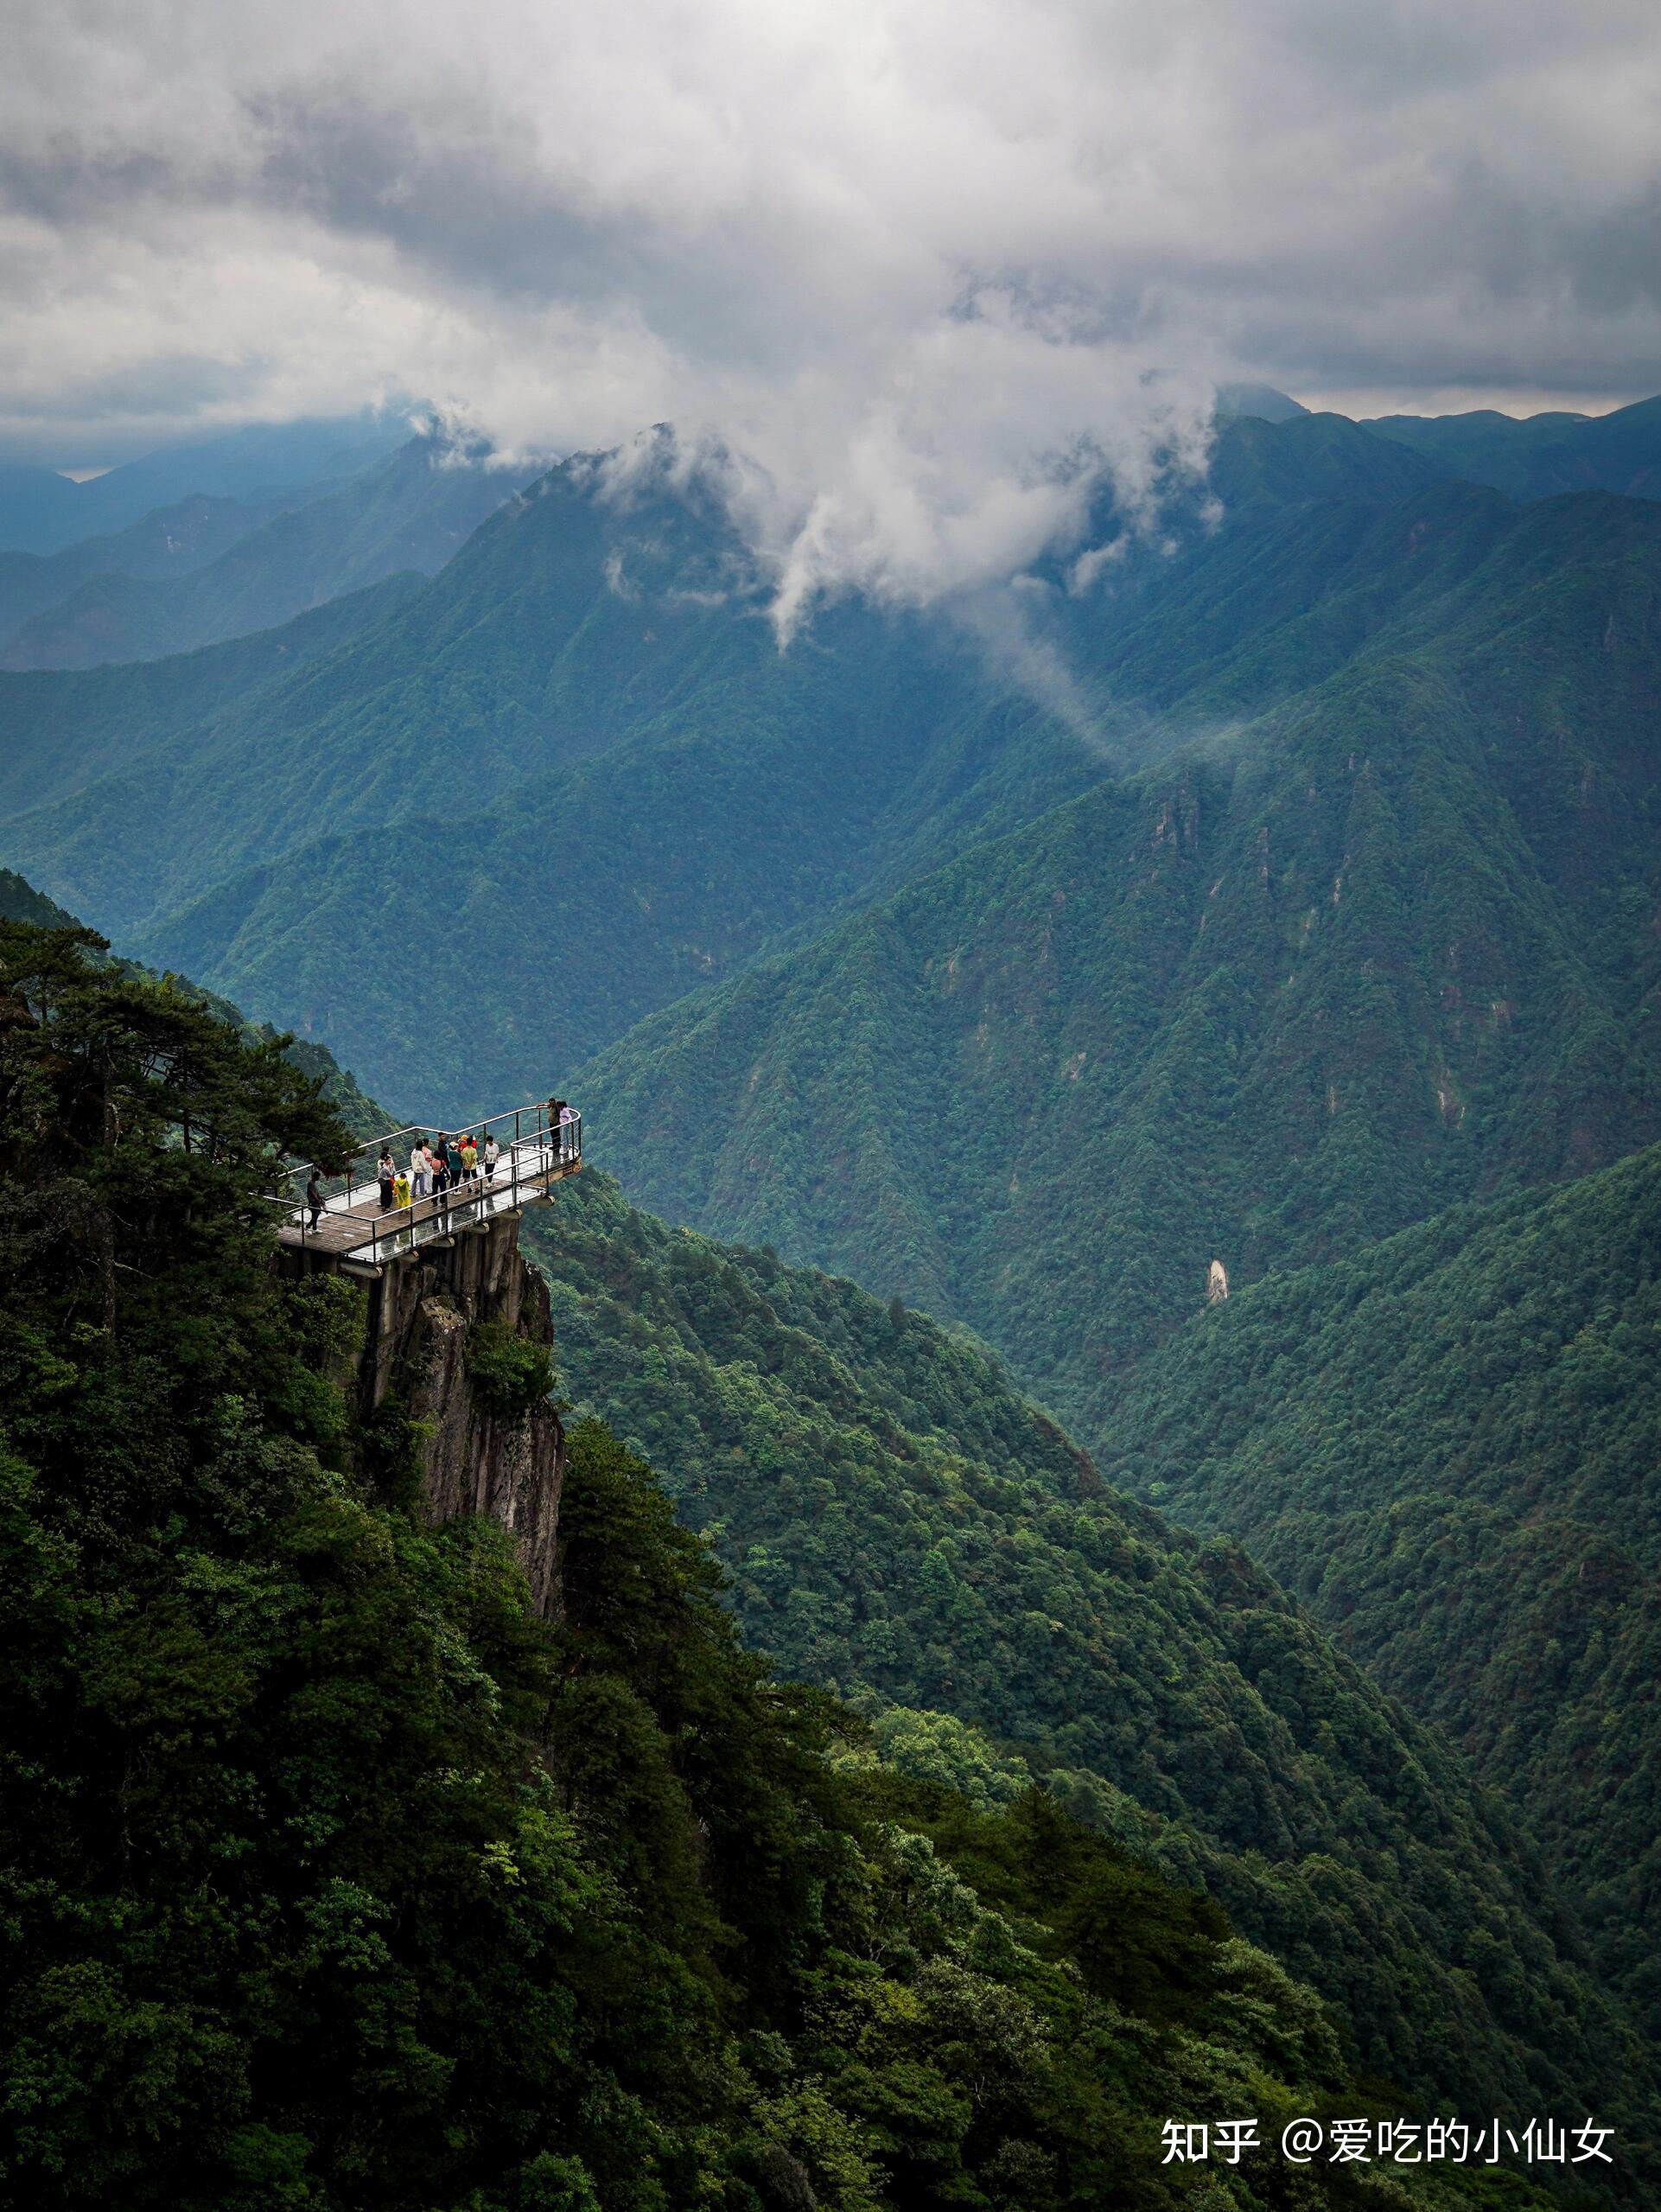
422	1311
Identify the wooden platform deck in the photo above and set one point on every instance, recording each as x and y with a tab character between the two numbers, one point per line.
354	1226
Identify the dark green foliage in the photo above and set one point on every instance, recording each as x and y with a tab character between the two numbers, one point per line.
21	902
333	1880
1451	1446
510	1375
899	1527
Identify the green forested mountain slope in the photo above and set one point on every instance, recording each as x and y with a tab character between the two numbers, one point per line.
562	744
1313	458
580	620
1389	946
1541	455
899	1525
507	945
335	1879
567	625
66	730
412	513
871	752
1451	1447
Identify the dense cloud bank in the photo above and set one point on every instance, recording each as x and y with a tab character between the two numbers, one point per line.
925	271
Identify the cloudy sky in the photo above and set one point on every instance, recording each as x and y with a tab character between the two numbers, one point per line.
910	244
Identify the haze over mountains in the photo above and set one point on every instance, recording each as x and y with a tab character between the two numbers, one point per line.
209	569
42	511
580	628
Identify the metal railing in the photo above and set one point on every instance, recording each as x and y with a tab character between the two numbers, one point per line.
533	1147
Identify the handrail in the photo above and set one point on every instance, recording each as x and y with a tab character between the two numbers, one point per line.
533	1148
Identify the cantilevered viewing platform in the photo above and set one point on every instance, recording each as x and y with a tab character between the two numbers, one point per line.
355	1229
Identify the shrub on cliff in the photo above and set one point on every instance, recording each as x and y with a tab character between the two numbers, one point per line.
510	1376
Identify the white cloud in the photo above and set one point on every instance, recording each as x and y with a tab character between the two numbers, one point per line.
922	269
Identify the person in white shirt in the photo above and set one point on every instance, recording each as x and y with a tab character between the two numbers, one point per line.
418	1169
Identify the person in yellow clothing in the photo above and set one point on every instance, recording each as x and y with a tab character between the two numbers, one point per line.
470	1158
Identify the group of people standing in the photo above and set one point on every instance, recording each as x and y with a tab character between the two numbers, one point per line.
463	1163
448	1163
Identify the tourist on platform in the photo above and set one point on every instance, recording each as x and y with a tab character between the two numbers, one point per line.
315	1197
568	1119
438	1154
388	1176
470	1157
453	1165
420	1168
493	1152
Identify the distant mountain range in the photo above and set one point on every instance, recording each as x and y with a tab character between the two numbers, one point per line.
583	665
1290	900
42	511
212	568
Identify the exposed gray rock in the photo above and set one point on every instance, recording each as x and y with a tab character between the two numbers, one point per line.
472	1459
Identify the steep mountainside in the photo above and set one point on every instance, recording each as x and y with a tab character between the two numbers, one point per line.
567	625
342	1876
1451	1447
899	1525
412	513
1389	946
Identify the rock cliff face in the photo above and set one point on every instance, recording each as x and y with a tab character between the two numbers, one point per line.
473	1459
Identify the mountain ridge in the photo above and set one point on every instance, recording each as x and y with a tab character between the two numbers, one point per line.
410	512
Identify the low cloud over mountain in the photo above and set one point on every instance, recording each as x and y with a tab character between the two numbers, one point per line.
925	271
